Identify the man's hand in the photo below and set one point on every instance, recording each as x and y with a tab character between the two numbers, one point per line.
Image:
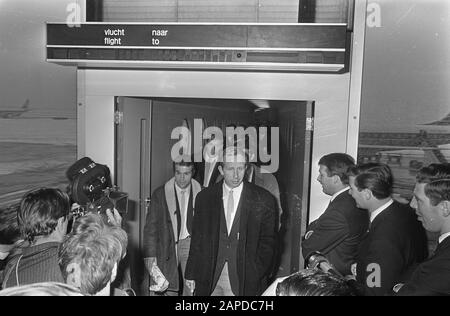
114	217
397	287
308	234
191	285
161	283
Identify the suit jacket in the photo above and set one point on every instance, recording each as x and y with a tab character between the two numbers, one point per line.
338	232
432	277
395	244
257	233
161	233
266	181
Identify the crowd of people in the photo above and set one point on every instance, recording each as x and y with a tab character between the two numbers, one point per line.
215	233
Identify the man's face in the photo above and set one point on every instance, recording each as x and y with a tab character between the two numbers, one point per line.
233	173
183	176
326	181
357	195
429	215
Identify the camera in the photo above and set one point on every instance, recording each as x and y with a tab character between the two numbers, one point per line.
91	188
316	260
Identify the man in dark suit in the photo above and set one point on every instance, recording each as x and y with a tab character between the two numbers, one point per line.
432	204
340	229
234	234
168	229
396	241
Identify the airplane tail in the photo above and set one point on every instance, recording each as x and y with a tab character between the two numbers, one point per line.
26	104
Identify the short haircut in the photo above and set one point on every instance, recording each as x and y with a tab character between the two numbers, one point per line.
233	151
376	177
40	210
41	289
9	228
338	164
96	247
314	282
184	161
437	180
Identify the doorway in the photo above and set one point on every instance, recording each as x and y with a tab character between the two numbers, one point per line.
143	159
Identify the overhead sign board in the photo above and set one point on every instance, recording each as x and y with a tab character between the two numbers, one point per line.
314	47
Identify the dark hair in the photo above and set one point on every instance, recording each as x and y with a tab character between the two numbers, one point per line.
40	210
234	151
9	228
437	179
314	282
96	247
376	177
338	164
184	161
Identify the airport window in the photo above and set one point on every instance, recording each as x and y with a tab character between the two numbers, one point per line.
234	11
405	118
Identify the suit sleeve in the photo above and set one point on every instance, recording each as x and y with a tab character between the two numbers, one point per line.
151	236
428	280
381	268
327	232
196	240
267	238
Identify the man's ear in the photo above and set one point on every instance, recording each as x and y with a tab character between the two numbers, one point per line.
336	179
367	194
73	274
220	169
114	273
445	208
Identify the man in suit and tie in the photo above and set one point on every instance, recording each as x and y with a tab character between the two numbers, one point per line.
432	204
168	229
396	241
234	234
340	229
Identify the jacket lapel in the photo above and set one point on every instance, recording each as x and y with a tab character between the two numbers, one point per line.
171	200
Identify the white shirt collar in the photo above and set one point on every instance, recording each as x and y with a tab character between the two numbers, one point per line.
380	209
338	192
443	236
237	190
186	189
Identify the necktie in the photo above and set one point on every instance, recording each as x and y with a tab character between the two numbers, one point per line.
230	208
182	211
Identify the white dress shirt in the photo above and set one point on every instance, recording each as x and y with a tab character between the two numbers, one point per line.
443	236
183	213
236	197
380	209
338	192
